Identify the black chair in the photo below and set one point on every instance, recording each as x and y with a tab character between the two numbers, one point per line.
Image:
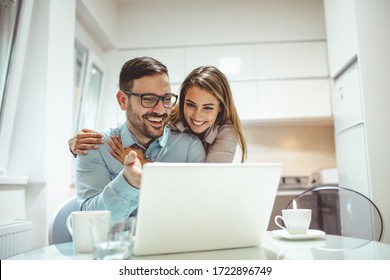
341	211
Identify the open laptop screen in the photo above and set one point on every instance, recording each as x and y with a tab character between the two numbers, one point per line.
186	207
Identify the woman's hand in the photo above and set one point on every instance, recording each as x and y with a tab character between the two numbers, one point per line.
120	153
84	140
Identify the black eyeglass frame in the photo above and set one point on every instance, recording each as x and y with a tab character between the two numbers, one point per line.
162	98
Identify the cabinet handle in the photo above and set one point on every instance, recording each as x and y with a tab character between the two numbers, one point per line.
341	89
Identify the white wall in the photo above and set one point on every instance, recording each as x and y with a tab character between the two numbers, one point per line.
182	23
373	27
100	19
301	149
44	114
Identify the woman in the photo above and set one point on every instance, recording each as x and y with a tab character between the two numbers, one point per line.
206	109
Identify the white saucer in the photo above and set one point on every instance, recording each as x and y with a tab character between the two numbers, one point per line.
311	234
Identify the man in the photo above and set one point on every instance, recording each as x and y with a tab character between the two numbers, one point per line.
102	182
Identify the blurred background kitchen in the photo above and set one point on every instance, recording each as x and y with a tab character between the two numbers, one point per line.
310	80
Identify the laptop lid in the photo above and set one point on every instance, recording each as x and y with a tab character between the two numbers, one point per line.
185	207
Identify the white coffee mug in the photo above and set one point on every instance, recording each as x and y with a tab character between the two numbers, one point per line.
78	224
297	221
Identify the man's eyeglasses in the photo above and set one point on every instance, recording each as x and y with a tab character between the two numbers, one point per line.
150	100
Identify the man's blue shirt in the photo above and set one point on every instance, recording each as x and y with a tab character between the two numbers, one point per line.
99	180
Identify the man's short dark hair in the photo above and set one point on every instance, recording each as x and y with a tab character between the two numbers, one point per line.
137	68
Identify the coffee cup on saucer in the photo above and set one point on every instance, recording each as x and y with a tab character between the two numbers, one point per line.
297	221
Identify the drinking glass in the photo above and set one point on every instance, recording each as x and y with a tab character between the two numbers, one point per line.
113	239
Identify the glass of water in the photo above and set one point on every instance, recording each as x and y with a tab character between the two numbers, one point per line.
113	239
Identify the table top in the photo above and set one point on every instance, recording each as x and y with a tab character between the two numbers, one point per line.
328	247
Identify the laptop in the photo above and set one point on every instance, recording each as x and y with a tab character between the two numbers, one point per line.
188	207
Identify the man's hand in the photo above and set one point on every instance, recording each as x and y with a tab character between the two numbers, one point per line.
132	169
84	140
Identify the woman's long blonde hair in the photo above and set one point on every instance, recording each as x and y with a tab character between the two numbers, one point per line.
212	80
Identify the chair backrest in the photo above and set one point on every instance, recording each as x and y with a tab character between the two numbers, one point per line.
341	211
58	233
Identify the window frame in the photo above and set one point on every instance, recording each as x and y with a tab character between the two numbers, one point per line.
85	94
14	76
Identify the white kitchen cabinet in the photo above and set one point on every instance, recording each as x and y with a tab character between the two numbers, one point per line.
341	33
292	60
352	163
246	99
294	99
347	100
237	62
279	81
272	81
293	81
282	100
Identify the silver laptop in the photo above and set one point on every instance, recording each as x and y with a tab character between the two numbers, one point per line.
187	207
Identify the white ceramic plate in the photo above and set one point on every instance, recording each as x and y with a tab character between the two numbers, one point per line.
311	234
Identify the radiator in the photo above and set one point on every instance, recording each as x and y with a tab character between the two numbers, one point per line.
15	238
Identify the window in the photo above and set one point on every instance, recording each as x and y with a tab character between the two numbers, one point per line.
88	84
91	97
8	19
15	16
81	56
88	71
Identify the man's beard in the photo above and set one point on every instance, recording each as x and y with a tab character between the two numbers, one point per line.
142	125
150	131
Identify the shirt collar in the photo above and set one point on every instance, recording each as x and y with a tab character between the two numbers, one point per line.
179	126
128	138
211	134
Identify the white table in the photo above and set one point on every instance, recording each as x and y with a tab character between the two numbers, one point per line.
329	247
